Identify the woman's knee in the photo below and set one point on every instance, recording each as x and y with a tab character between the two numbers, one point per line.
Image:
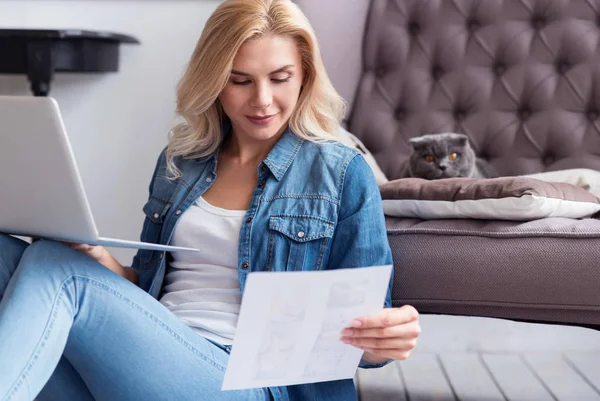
53	259
43	252
11	252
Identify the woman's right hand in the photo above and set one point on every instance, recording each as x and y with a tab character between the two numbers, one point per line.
102	256
96	252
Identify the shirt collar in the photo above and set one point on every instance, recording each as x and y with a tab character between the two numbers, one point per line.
279	158
283	153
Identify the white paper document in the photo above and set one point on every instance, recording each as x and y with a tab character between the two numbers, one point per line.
289	326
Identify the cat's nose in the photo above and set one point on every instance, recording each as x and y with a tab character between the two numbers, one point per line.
442	167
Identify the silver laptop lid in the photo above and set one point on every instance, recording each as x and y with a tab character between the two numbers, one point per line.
41	193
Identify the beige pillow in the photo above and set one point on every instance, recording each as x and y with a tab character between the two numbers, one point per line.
504	198
582	177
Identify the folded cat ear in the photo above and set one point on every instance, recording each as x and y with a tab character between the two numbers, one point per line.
417	143
461	139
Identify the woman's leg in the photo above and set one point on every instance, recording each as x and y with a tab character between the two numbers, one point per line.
65	383
123	343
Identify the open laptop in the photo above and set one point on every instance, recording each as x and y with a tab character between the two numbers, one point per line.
41	193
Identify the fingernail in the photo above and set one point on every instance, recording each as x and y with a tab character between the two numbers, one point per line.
356	323
345	340
347	332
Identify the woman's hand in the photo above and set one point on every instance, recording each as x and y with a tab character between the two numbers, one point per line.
96	252
102	256
390	334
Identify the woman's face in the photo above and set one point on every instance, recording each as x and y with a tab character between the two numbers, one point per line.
263	87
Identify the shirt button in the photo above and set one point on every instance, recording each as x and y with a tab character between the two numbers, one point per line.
208	179
178	212
249	220
156	215
263	167
245	265
301	234
261	185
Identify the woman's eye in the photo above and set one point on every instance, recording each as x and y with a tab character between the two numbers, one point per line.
429	158
453	156
240	82
280	80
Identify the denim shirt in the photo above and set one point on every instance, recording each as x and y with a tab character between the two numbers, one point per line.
316	207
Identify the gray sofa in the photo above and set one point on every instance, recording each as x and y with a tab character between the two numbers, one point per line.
522	79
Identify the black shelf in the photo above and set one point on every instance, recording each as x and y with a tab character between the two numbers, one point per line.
41	53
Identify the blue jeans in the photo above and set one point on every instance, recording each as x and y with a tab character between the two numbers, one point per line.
70	329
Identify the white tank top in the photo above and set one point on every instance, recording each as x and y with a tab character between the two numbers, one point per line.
203	288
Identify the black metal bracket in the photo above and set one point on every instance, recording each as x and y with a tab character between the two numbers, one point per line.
41	53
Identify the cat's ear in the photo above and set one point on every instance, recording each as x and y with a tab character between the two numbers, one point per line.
417	143
461	139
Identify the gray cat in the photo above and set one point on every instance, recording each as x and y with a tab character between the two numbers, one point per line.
445	155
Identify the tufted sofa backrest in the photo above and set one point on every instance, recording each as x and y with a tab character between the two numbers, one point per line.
521	78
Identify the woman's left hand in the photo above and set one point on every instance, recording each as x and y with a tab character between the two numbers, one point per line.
390	334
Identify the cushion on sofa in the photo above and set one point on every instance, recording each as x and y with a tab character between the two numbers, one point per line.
582	177
504	198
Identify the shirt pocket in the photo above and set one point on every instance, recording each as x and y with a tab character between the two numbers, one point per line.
155	210
297	242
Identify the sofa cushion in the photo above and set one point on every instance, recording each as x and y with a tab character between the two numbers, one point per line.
542	270
504	198
585	178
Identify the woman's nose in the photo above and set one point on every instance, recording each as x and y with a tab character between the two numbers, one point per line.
263	97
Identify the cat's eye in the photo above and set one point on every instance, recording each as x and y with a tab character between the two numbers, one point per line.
453	156
429	158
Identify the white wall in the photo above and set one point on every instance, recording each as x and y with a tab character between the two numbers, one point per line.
118	122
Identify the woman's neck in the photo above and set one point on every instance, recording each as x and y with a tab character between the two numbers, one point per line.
246	151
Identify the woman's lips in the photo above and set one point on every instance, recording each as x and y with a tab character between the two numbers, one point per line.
260	120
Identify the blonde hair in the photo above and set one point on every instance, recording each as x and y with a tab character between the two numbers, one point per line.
319	109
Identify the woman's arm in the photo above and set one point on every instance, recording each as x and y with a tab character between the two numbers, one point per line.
360	239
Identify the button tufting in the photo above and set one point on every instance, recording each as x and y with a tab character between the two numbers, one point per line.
473	25
548	159
460	115
499	69
593	115
562	67
380	72
538	23
524	113
414	28
400	114
437	72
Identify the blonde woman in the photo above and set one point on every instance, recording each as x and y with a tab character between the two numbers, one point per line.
255	180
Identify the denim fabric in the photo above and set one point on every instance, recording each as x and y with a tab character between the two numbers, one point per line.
114	342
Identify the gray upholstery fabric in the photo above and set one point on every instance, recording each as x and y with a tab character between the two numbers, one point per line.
521	78
543	270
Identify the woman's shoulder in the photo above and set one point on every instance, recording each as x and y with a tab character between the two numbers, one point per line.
329	152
